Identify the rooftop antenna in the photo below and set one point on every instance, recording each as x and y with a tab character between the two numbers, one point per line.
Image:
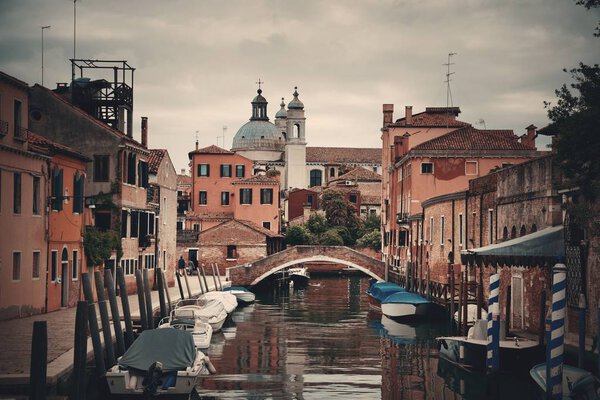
196	140
481	121
449	102
74	38
224	132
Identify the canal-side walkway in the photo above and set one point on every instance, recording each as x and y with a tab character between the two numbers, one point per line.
16	335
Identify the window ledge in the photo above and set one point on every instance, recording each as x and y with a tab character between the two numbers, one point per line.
231	259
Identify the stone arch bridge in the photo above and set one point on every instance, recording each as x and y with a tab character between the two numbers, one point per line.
252	273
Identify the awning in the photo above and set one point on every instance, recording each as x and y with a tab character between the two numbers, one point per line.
544	247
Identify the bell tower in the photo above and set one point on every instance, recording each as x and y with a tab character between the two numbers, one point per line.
295	144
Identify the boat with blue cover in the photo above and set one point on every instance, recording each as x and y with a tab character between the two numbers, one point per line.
404	304
379	291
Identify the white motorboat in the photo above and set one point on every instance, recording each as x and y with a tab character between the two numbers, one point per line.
228	299
243	295
300	276
207	310
404	305
379	291
517	354
159	362
185	319
472	314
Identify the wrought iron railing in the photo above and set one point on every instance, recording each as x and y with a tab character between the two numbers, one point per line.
21	133
3	128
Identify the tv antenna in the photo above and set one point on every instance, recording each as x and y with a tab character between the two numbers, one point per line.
449	102
74	36
224	132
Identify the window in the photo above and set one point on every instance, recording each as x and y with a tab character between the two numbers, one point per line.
533	228
17	193
309	199
513	232
375	168
75	269
131	168
53	265
202	198
17	119
224	198
231	252
203	170
149	261
266	196
266	225
460	229
103	220
135	223
471	168
431	230
57	189
225	170
127	265
35	266
124	219
442	226
240	171
353	198
245	196
179	225
504	233
151	221
101	164
331	172
491	226
143	174
523	231
77	193
16	270
64	264
196	227
315	177
427	168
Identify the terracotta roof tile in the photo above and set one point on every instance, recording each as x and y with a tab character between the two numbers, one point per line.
155	158
434	116
369	199
40	144
360	174
343	155
469	138
210	150
233	231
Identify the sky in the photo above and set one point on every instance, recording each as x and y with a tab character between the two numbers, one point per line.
197	61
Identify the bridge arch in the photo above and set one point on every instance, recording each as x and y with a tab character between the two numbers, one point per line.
251	274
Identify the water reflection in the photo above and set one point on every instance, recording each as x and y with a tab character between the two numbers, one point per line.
323	342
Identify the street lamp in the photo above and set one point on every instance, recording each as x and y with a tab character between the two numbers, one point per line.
43	27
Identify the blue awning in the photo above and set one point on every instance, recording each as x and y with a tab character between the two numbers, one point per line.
544	247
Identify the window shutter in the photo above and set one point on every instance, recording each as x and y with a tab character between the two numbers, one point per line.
124	216
60	190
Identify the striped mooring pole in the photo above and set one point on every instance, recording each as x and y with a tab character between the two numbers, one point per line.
554	362
493	347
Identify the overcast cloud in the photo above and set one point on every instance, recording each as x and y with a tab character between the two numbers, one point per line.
197	61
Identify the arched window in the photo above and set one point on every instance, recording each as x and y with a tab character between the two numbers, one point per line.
504	233
316	177
533	228
513	232
331	172
296	133
523	231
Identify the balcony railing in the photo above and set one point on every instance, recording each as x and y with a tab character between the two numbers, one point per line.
3	128
21	133
402	218
187	236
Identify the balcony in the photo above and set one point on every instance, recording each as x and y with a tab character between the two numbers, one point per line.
21	133
402	218
3	128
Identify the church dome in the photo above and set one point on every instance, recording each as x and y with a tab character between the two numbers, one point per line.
296	104
258	133
282	113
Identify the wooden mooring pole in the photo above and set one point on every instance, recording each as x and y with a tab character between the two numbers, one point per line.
103	307
78	384
460	301
114	309
179	284
148	297
452	290
161	293
219	276
200	282
166	286
187	285
204	277
212	265
125	306
142	303
93	324
39	361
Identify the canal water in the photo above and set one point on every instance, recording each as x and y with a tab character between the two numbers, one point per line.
323	342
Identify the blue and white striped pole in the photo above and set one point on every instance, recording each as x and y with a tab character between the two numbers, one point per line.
554	365
493	347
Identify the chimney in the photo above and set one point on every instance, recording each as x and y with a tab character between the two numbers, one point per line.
529	138
408	115
388	114
182	171
145	131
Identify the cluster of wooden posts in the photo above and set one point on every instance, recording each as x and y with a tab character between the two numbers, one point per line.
86	321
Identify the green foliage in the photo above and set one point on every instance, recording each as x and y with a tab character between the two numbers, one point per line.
371	223
338	210
371	240
331	238
590	4
99	245
316	224
297	235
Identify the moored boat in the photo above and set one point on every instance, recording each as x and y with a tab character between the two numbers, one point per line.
186	320
207	310
243	295
404	304
228	299
578	384
159	362
517	355
300	276
378	291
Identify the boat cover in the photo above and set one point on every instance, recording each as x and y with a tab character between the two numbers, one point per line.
174	348
381	290
243	289
405	298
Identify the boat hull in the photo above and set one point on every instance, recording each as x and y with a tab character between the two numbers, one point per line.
471	354
577	383
404	310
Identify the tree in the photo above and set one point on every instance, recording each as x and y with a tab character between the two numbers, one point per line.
331	238
297	235
590	4
371	223
99	245
338	210
371	240
316	224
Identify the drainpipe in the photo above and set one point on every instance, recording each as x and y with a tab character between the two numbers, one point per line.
47	210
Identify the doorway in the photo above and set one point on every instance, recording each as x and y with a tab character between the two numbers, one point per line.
64	281
516	301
